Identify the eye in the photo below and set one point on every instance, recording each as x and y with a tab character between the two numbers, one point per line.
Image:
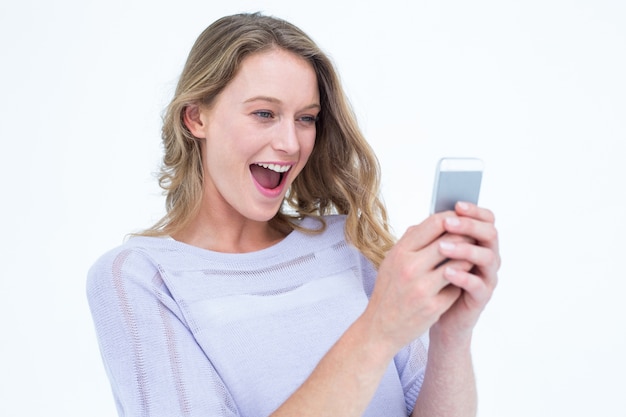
264	114
309	119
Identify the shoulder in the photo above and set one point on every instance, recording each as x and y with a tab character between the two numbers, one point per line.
332	226
132	259
319	232
133	250
335	238
335	232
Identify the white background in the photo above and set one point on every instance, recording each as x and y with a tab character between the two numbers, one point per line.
535	88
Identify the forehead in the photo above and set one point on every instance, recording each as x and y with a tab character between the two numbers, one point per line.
275	73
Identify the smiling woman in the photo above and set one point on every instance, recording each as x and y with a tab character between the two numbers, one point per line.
342	172
230	306
256	123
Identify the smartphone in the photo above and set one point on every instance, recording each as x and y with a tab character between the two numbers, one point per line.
456	179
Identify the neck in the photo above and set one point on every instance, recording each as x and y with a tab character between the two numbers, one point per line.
229	234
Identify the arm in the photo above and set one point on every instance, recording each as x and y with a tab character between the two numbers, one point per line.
154	363
345	380
412	294
449	387
408	297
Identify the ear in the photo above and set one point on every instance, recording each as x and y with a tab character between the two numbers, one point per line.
194	120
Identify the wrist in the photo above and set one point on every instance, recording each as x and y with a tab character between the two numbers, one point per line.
376	346
447	340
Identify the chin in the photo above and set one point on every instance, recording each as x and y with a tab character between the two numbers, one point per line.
264	216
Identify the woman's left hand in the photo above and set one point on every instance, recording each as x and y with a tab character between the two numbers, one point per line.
477	282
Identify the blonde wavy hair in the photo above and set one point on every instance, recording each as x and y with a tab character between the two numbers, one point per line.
342	174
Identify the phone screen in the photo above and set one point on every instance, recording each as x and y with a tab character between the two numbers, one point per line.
456	179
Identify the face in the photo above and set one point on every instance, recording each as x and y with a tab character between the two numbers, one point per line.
258	134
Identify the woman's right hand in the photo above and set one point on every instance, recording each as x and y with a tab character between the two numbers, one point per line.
411	292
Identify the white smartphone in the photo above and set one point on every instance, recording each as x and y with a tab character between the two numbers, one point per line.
456	179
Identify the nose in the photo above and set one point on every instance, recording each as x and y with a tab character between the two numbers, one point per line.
286	139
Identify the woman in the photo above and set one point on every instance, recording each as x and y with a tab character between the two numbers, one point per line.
272	286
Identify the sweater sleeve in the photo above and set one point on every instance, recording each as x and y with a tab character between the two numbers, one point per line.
154	364
411	365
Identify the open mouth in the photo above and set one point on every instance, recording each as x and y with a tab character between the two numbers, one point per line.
269	176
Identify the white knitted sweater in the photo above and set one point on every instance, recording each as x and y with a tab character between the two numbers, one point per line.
188	332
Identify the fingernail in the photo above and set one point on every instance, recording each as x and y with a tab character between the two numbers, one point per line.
463	205
446	245
450	271
453	221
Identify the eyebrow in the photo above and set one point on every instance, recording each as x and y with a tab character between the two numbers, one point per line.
277	101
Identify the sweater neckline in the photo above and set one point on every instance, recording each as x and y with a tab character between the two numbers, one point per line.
289	242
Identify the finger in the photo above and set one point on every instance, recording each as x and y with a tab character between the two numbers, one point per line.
477	255
484	232
475	287
485	263
466	209
455	264
433	251
419	236
447	296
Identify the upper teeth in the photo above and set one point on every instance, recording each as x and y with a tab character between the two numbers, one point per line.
276	168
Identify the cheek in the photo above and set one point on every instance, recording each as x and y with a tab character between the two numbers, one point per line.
306	148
